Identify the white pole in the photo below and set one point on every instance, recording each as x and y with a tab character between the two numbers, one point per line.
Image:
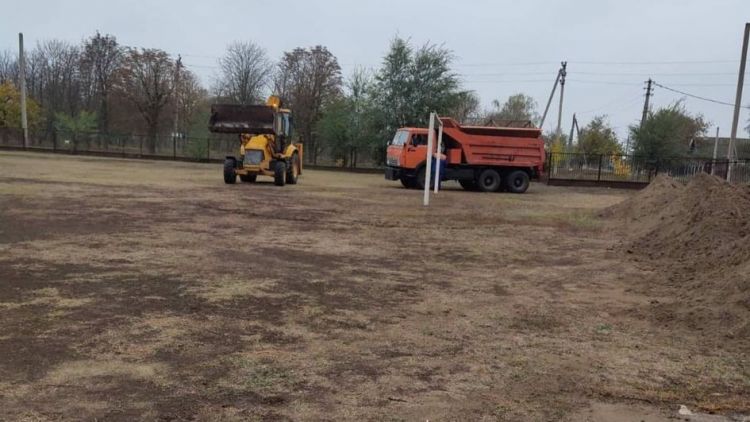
428	169
437	161
22	81
716	150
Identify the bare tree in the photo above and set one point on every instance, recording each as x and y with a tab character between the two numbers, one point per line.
307	80
466	109
8	67
53	79
100	60
145	78
189	96
245	73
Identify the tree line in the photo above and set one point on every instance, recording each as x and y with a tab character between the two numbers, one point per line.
102	86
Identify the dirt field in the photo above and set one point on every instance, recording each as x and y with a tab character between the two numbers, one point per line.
151	290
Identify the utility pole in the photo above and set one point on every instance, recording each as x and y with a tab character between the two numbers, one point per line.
716	151
627	145
176	126
738	100
563	73
22	77
551	95
573	126
649	92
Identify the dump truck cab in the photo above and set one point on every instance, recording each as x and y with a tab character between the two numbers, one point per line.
478	157
265	134
407	150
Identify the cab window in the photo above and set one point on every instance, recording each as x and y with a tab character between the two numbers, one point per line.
400	138
287	125
419	139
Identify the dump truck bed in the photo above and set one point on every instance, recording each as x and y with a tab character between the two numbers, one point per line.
493	146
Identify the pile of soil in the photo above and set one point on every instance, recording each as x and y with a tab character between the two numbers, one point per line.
697	236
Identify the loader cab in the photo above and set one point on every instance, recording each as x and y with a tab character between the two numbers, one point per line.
283	129
284	123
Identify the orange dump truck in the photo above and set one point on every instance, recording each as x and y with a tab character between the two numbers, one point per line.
487	159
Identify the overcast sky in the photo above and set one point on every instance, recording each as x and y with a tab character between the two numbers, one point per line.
501	47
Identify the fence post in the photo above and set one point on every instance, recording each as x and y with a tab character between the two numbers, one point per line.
174	147
599	173
54	140
208	150
549	167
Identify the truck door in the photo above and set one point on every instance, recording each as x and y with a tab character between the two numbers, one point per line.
416	149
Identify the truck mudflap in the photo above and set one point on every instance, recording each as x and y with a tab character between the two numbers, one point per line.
392	173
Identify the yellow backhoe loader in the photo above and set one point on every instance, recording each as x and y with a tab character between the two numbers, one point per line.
265	133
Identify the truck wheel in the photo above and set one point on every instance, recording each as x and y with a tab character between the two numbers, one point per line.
248	178
469	184
489	180
279	173
292	172
408	182
230	176
517	181
419	181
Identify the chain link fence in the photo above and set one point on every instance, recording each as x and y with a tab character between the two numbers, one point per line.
621	169
199	149
127	145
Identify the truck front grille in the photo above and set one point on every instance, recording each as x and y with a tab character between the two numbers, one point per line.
393	161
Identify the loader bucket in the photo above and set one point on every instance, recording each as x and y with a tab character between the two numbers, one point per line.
251	119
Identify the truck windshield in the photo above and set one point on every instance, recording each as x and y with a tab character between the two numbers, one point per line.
400	138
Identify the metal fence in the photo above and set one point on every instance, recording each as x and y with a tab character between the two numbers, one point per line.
164	147
616	170
625	170
126	145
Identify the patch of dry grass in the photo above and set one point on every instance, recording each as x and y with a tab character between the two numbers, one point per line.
75	372
49	296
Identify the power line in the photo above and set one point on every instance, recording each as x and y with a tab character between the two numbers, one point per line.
597	63
605	82
600	63
697	96
201	56
624	101
657	62
200	65
658	73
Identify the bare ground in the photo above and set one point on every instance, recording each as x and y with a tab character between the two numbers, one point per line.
151	290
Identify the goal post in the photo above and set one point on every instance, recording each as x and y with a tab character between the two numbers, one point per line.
439	152
434	121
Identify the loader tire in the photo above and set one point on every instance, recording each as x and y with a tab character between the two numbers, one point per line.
279	173
292	173
489	180
230	176
249	178
517	181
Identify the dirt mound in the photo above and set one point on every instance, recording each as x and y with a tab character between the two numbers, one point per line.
698	235
659	195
